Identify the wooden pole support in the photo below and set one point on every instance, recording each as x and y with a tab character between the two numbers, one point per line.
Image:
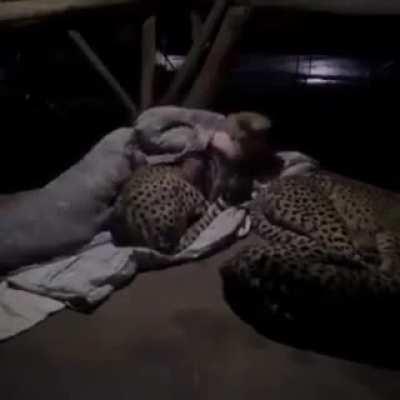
186	73
103	71
207	82
148	62
196	24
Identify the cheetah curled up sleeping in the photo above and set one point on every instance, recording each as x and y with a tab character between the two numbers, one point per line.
328	245
160	208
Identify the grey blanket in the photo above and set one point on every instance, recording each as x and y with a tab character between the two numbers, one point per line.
68	212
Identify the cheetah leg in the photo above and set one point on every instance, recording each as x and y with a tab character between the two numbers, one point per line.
388	244
194	231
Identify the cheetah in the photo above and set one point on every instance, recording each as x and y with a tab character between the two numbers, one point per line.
261	282
155	207
351	220
160	207
324	240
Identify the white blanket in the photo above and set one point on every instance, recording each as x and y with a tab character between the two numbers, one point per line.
20	310
89	274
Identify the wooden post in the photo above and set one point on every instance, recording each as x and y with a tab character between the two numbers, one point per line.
186	73
148	62
207	82
196	24
103	71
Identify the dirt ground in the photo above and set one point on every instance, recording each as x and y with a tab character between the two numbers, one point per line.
170	335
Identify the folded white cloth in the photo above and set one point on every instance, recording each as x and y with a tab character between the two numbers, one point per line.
80	280
20	310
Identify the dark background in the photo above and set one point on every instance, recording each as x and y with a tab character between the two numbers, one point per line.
330	85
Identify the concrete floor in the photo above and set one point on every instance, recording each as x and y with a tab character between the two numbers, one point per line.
169	335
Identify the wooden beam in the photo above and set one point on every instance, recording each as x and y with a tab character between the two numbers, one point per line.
186	73
342	7
12	11
148	62
14	14
196	25
207	83
103	71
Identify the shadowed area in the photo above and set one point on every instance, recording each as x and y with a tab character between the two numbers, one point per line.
170	335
